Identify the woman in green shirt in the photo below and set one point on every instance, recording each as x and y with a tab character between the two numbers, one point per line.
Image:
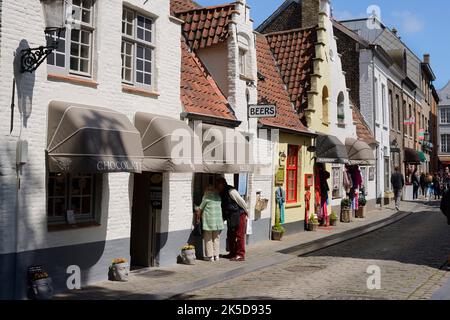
212	222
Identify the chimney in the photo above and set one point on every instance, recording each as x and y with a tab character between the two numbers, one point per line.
310	13
426	58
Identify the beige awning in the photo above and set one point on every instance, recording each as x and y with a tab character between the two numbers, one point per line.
169	144
87	139
226	150
359	152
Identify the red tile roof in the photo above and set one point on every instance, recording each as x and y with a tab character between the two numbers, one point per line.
183	5
294	51
199	92
362	128
271	89
206	26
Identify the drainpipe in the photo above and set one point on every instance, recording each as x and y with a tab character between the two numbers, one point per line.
374	99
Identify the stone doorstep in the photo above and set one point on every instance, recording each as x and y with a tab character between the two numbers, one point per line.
262	255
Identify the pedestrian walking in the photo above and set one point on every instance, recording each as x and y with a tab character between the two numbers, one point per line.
398	182
429	188
210	212
416	184
437	186
235	212
423	184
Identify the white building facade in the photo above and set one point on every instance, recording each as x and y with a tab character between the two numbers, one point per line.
32	231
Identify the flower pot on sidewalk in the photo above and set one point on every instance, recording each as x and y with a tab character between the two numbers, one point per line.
187	255
42	289
119	270
345	211
361	212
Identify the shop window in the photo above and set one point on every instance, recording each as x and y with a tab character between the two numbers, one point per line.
74	52
71	198
137	49
337	182
387	176
292	174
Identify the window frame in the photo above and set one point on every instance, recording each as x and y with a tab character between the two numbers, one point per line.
444	116
292	162
84	27
136	42
95	196
445	143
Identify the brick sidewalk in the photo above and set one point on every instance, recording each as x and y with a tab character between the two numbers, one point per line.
164	283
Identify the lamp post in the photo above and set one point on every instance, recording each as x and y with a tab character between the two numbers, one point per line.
55	20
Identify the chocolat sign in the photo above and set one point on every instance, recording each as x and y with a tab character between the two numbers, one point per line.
262	111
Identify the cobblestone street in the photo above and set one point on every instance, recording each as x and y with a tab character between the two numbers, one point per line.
411	254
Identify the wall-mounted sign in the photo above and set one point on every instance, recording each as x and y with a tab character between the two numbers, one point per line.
279	176
262	111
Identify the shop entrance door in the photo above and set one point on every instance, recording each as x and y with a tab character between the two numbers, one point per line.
147	203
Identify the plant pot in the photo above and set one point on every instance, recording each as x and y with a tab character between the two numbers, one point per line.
313	227
387	201
333	222
345	215
361	212
277	235
119	272
188	257
42	289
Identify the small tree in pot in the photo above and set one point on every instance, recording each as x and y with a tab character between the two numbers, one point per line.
277	230
345	211
333	219
313	223
361	212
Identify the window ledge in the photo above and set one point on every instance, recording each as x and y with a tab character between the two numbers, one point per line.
293	205
141	92
65	227
72	79
246	78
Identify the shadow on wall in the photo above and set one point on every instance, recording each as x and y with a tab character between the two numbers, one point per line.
25	84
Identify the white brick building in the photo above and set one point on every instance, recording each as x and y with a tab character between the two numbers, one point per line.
26	237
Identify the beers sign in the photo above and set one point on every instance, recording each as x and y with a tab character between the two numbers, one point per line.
262	111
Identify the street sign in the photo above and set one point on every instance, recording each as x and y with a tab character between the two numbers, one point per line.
262	111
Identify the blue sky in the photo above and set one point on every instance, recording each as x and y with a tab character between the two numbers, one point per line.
423	25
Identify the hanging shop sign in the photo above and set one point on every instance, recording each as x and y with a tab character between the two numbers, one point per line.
262	111
421	135
410	122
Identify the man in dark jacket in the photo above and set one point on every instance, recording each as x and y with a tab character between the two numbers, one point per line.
235	212
398	182
445	204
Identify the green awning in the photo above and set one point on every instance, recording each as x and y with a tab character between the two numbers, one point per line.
422	156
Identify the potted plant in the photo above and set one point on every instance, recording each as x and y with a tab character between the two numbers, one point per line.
313	223
277	230
361	212
119	270
41	286
187	255
345	211
333	219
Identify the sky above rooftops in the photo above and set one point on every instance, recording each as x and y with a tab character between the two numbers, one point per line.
423	26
